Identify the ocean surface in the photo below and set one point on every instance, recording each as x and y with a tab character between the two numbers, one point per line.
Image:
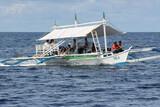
129	85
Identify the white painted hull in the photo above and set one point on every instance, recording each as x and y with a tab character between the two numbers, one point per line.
108	60
115	59
99	60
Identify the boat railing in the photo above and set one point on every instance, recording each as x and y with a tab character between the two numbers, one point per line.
43	50
39	49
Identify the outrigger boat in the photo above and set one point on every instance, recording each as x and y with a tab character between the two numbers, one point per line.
57	55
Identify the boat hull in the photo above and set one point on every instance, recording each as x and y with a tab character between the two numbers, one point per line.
71	60
90	59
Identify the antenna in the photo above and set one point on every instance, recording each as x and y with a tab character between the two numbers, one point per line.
55	24
75	19
104	16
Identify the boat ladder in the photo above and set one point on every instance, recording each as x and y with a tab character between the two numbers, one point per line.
96	41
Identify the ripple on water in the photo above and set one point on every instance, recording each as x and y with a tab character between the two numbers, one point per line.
149	86
133	84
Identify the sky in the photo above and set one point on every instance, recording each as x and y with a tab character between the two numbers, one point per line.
40	15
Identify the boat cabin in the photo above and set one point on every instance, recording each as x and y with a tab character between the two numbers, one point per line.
76	39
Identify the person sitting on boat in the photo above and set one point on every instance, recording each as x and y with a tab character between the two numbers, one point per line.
120	46
120	43
93	48
108	49
85	45
115	47
74	46
46	45
52	46
52	43
68	48
62	49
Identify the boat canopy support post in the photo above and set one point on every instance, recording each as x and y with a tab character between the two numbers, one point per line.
104	30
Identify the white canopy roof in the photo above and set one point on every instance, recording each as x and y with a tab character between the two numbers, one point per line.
70	32
78	31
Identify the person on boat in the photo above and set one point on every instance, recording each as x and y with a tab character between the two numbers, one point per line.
115	47
93	48
46	45
52	46
62	49
108	49
52	43
74	45
68	48
85	45
120	46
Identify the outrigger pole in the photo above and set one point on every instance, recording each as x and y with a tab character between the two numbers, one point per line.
104	31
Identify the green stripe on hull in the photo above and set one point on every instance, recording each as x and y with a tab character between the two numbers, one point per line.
80	57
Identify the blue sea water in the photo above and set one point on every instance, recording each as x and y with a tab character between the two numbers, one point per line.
130	85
